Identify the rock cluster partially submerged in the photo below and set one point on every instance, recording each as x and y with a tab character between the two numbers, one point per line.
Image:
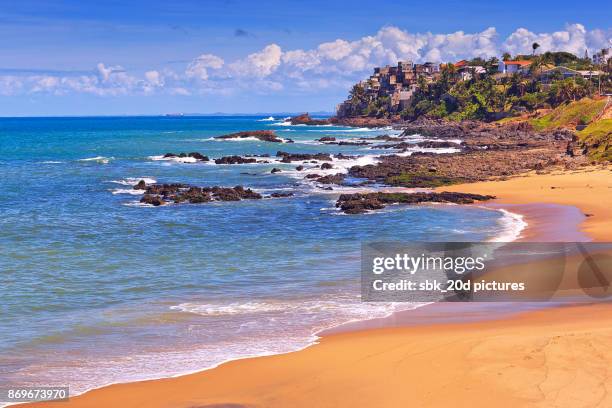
363	202
235	160
290	157
195	155
263	135
160	194
305	119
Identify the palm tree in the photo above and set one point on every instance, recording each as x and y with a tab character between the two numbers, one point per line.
537	64
534	46
567	90
506	56
603	53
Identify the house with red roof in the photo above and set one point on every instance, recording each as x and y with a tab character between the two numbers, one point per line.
511	67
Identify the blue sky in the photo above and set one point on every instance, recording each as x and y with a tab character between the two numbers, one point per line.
150	57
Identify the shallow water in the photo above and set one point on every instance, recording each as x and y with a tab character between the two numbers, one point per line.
98	289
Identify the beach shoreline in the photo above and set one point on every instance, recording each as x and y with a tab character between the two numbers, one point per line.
530	196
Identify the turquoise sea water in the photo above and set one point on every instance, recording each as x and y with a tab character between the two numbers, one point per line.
97	289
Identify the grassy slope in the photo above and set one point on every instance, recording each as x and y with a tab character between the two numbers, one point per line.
598	139
569	115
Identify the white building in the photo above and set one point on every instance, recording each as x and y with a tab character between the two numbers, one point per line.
511	67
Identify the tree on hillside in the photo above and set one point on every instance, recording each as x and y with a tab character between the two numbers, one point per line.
357	97
506	56
559	57
534	47
569	90
537	64
357	93
492	65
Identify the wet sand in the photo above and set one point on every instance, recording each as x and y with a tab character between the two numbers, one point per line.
475	355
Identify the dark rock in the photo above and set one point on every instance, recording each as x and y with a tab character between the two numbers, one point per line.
141	185
332	179
151	200
341	156
326	166
384	137
235	160
263	135
198	156
305	119
289	157
299	168
275	170
326	139
362	202
159	194
281	195
195	155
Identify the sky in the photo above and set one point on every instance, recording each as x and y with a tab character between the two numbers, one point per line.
155	57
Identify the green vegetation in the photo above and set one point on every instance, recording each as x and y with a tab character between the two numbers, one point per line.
597	139
489	96
580	112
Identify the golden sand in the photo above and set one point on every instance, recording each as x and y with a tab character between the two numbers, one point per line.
557	357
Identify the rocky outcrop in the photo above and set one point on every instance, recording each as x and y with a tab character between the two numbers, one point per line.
434	170
481	135
386	138
235	160
263	135
369	122
487	150
160	194
195	155
430	144
289	157
332	179
305	119
141	185
348	143
281	195
363	202
341	156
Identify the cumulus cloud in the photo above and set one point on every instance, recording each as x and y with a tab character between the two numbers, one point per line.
259	64
575	39
389	45
200	66
334	64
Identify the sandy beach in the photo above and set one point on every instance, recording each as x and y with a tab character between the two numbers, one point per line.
554	357
588	189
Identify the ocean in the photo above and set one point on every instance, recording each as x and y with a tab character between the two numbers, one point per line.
97	288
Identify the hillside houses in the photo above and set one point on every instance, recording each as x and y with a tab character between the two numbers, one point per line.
512	67
555	73
395	84
480	86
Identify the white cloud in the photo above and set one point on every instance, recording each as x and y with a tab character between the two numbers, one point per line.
200	66
575	39
329	65
10	85
259	64
335	50
389	45
154	78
